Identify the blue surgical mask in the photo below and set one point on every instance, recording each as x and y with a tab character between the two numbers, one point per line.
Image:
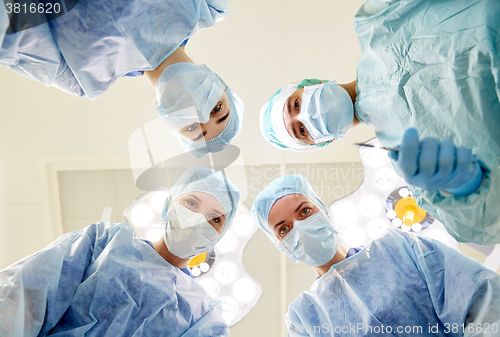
326	111
187	233
312	241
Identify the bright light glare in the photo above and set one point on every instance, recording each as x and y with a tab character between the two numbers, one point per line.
155	233
354	236
438	235
404	192
225	272
244	290
416	227
243	225
141	215
158	200
227	243
376	228
343	214
405	228
391	214
397	222
385	178
370	206
210	286
204	267
196	271
374	157
229	308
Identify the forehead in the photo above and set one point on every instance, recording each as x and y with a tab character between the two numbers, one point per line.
285	206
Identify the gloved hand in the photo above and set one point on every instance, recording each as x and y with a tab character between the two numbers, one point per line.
434	165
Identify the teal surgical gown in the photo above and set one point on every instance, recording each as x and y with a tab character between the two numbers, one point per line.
400	285
84	51
101	281
434	66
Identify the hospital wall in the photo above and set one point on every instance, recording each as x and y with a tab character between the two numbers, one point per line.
51	141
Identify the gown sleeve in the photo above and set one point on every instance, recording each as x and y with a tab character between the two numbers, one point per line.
36	291
469	293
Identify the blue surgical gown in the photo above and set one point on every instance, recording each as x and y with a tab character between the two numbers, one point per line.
434	66
84	51
101	281
400	285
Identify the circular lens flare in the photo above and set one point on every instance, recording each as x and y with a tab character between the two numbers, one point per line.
227	243
354	236
225	272
210	286
155	233
244	290
370	206
158	200
141	215
343	214
397	222
243	225
376	228
404	192
229	308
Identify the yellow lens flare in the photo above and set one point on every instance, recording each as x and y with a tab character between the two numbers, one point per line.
408	211
197	260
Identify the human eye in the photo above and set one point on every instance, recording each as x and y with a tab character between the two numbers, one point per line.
191	203
217	222
305	211
302	130
283	230
217	108
296	105
192	127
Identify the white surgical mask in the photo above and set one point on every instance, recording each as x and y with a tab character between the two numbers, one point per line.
311	241
187	233
326	111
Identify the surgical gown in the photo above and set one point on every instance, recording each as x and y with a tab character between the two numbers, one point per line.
84	51
434	66
101	281
400	285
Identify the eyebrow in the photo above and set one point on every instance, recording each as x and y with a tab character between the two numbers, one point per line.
222	119
217	212
287	110
194	197
296	210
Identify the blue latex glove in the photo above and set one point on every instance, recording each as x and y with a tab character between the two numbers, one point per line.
434	165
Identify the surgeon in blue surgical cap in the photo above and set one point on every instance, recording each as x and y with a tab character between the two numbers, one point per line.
395	283
102	281
430	87
84	51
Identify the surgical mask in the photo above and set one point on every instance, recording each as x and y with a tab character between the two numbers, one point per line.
311	241
187	233
326	111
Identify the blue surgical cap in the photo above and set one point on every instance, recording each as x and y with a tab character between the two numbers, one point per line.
272	125
186	93
215	183
277	189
